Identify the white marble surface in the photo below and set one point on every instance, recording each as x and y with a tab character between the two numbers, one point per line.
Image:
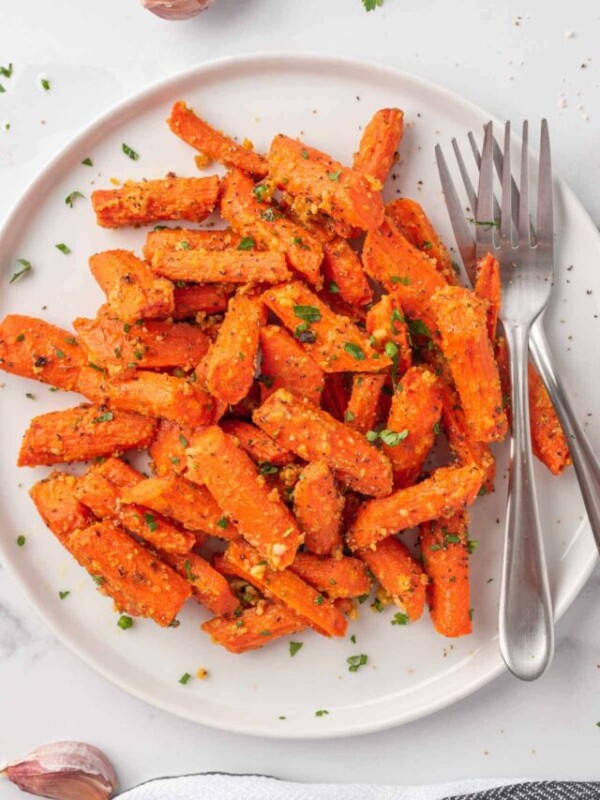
513	58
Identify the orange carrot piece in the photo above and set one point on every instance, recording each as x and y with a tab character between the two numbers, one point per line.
414	224
318	508
336	394
400	575
445	548
415	411
136	579
208	586
269	228
449	489
212	143
190	199
336	190
254	628
259	446
460	318
208	299
167	449
166	239
153	344
386	323
224	266
232	360
285	365
215	460
379	144
131	289
315	435
54	498
152	393
488	288
335	577
82	433
343	272
32	348
336	344
363	405
286	586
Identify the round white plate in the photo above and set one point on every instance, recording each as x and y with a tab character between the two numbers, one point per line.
411	670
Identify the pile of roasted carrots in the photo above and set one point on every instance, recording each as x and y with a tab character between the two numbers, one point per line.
289	376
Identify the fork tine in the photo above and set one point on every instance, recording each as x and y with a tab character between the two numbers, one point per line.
485	195
477	157
524	220
460	227
466	179
545	225
506	214
499	162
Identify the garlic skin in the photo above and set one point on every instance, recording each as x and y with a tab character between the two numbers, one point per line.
65	771
176	9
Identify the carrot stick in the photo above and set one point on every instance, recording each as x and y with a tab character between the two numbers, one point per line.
318	508
254	628
449	489
215	460
313	435
445	547
285	365
336	393
201	299
82	433
286	586
386	323
488	288
55	500
460	318
335	190
208	586
259	446
400	575
167	449
335	343
335	577
343	272
225	266
379	144
165	239
212	143
130	287
363	405
143	203
32	348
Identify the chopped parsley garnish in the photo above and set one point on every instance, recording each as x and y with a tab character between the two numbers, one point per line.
418	328
21	337
471	613
319	599
124	622
437	428
59	353
377	605
355	351
98	579
223	523
427	245
400	618
400	279
72	340
183	441
294	647
188	571
270	214
304	154
259	192
185	678
353	638
95	366
174	460
307	313
7	72
371	5
435	547
63	248
87	162
64	594
349	416
334	176
118	353
29	396
45	84
126	327
392	438
304	335
392	352
472	545
106	416
333	287
266	633
452	538
2	89
482	491
20	273
247	243
130	152
151	522
321	712
266	379
356	662
21	540
184	245
488	224
266	468
70	199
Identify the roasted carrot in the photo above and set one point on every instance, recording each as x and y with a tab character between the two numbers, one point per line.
335	577
460	318
263	223
336	344
190	199
363	405
489	289
208	586
132	291
165	239
82	433
318	508
315	435
32	348
255	627
449	489
336	393
335	190
215	460
224	266
152	393
445	548
55	500
286	586
400	575
386	323
232	360
259	446
286	365
379	144
213	143
344	274
202	299
168	446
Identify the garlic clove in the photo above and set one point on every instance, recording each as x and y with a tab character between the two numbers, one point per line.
65	771
176	9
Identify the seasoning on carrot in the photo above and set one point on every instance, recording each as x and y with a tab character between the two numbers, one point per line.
210	298
364	402
488	288
165	239
318	507
399	574
254	627
208	586
259	446
55	500
388	330
286	365
342	268
336	577
223	266
379	143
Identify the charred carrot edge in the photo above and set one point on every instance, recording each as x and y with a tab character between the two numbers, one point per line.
336	344
414	224
268	227
208	586
81	434
445	548
400	575
232	360
259	446
336	190
132	291
379	143
151	393
313	435
363	405
224	266
335	577
34	349
286	586
318	508
488	288
165	239
254	627
285	365
190	199
168	446
137	580
215	460
54	498
212	143
386	323
449	489
154	344
414	414
336	393
460	318
192	300
343	271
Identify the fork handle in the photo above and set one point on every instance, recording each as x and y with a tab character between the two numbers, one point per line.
526	624
585	461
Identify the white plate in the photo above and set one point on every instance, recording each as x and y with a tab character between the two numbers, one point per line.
411	670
